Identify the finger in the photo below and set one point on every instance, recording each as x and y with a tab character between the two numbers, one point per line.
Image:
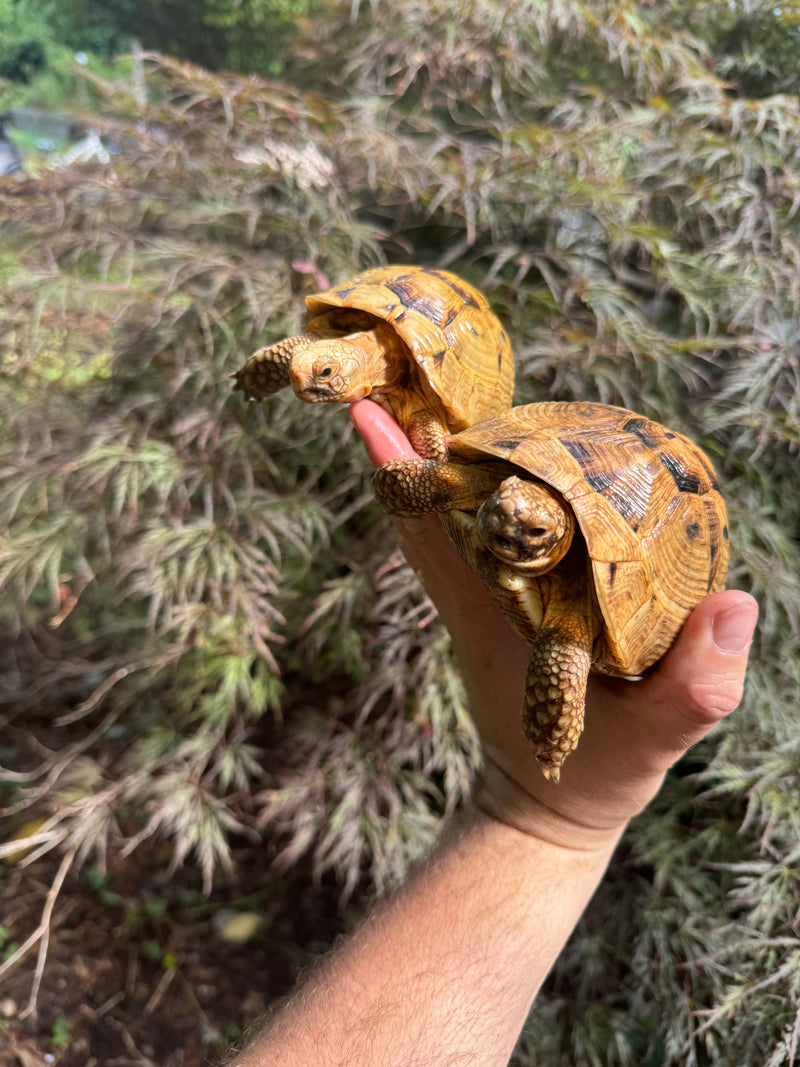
702	676
459	595
701	680
635	731
383	438
698	683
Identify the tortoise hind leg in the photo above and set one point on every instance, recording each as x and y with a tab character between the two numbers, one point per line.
555	695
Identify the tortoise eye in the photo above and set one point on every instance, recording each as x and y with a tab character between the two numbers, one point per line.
326	373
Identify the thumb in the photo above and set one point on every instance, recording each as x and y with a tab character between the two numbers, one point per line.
636	731
704	670
700	680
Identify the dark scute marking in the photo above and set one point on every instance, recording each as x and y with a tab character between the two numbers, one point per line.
612	572
462	295
500	349
693	529
452	314
712	474
400	316
625	504
578	450
685	480
438	357
643	429
599	482
507	443
718	534
606	483
712	569
669	435
712	575
414	300
342	293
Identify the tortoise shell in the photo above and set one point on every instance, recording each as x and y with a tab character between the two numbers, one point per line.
455	338
647	502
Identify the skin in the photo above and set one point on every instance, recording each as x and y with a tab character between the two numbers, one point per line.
445	971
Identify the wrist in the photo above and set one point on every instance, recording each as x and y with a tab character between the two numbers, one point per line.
497	795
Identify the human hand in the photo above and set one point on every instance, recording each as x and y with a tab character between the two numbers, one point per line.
634	730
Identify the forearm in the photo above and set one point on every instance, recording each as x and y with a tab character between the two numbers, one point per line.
445	971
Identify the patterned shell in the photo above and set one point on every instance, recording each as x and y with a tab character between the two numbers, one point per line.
449	327
648	505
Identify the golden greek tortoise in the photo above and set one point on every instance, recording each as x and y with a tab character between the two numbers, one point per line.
422	343
595	530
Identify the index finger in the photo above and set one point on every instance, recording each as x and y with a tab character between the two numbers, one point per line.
459	595
383	438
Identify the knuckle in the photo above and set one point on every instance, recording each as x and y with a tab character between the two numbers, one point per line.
714	696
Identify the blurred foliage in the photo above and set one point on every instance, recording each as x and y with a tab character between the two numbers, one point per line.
247	35
23	51
756	43
38	65
207	633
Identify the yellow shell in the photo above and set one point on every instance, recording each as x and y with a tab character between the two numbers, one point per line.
457	341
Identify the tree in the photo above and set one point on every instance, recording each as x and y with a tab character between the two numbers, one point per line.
248	35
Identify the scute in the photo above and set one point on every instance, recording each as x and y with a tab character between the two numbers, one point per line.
449	328
646	500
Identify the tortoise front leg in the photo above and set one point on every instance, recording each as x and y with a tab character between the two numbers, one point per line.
267	370
410	487
427	435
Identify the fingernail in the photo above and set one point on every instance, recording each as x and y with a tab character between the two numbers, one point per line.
733	629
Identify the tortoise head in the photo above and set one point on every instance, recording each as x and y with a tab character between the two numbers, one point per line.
331	369
346	368
526	525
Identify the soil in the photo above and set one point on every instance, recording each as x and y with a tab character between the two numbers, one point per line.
141	968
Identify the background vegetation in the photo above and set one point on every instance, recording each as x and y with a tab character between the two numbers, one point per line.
211	660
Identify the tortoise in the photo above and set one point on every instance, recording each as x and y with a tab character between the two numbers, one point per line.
423	343
596	531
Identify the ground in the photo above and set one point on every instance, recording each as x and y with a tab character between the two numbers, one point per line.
140	967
